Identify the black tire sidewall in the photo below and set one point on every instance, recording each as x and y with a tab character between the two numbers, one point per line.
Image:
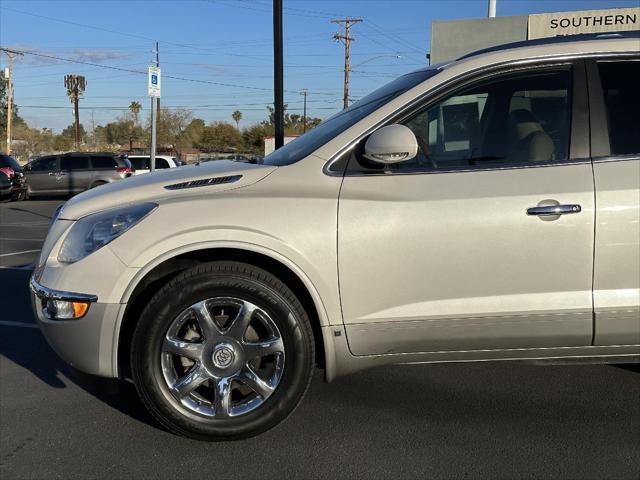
253	285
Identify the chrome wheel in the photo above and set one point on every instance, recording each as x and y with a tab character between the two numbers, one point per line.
222	357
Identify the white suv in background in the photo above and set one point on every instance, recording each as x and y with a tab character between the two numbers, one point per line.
141	163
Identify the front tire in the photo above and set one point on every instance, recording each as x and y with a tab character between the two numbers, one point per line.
223	351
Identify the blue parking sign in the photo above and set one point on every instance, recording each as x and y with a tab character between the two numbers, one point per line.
154	81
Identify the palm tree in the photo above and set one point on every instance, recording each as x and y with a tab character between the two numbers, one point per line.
75	85
135	108
237	116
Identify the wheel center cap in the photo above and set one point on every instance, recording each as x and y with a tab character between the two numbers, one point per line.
223	355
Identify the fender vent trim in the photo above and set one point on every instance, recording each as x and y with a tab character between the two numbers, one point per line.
205	182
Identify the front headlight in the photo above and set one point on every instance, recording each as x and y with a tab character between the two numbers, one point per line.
93	232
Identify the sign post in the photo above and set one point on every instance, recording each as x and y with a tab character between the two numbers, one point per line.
154	92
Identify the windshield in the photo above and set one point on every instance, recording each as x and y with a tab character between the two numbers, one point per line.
312	140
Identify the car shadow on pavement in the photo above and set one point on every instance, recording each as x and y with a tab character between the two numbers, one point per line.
28	348
22	343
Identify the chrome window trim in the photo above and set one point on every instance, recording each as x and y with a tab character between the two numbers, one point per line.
514	166
471	75
49	294
617	158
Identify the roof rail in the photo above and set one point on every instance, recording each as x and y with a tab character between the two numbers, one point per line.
552	40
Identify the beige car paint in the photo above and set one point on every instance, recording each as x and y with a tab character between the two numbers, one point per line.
452	261
291	214
617	254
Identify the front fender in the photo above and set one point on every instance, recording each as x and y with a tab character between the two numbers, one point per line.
277	255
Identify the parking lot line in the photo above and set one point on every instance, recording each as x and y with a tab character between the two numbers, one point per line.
18	253
26	224
17	324
21	239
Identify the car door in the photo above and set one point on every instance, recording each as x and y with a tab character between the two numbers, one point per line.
42	175
448	251
615	116
75	169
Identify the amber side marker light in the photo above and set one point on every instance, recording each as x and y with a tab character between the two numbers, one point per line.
63	310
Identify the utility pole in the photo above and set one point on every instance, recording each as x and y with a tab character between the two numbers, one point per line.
10	54
346	39
278	83
492	9
93	130
304	93
75	85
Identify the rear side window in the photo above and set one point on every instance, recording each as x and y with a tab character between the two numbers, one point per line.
162	163
622	99
104	162
74	163
140	163
45	164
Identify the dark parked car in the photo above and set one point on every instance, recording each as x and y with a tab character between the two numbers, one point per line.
10	167
5	187
73	173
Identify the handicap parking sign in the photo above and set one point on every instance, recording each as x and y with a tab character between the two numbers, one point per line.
154	81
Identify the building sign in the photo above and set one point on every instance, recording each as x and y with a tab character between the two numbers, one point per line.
589	21
154	81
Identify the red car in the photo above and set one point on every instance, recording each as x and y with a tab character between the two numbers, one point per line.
13	171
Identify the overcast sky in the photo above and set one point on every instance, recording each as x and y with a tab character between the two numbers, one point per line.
221	51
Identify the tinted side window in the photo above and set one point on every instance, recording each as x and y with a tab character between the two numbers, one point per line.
621	88
161	163
511	120
46	164
74	163
103	162
140	163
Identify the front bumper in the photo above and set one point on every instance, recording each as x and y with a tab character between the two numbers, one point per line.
86	343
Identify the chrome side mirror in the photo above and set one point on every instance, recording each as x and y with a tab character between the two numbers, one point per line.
391	144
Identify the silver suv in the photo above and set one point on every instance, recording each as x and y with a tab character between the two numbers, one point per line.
486	209
73	173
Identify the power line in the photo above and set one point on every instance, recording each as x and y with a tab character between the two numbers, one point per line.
394	37
167	107
95	27
142	72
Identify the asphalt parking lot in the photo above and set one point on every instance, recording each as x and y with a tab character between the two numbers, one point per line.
491	420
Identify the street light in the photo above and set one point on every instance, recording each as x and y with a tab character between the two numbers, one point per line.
373	58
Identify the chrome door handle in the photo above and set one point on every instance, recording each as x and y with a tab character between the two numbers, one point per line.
553	210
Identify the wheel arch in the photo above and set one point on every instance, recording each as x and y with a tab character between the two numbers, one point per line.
150	279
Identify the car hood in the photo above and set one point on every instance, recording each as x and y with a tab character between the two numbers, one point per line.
199	179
